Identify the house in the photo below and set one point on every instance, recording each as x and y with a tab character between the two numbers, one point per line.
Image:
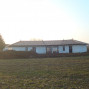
6	47
52	46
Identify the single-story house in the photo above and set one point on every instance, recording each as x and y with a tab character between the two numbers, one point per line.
52	46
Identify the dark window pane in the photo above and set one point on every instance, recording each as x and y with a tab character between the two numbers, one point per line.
63	48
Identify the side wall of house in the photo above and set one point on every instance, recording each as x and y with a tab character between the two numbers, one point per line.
41	50
7	48
29	48
79	48
60	48
54	49
19	48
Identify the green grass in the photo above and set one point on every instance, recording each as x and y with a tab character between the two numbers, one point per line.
45	73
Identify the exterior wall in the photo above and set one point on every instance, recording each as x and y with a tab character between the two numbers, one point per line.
54	49
79	48
60	48
7	48
19	48
41	50
30	48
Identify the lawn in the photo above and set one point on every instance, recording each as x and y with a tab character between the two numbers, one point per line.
45	73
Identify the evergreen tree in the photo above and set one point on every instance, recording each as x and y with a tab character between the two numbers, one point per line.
2	43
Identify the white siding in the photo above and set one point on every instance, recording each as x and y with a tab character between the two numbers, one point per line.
41	50
79	48
54	49
60	48
7	48
19	48
29	48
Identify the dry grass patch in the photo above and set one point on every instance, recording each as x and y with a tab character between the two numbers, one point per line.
45	73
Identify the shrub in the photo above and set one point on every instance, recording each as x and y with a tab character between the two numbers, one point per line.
31	54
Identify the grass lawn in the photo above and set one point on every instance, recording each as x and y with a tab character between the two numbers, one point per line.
45	73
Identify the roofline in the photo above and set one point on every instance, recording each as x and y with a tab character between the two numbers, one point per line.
43	45
13	45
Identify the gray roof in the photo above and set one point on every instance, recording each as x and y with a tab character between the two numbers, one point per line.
48	43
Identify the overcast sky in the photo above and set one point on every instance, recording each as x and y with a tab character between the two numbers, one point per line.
44	19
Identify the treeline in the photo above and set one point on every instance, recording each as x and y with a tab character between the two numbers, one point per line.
22	55
2	43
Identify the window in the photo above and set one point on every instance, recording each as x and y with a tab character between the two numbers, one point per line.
63	48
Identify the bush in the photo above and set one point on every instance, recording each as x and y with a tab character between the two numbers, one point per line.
31	54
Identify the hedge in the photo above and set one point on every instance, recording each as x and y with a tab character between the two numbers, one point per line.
21	54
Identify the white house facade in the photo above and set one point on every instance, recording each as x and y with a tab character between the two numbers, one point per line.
55	46
79	48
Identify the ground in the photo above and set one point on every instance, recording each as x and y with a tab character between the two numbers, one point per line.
45	73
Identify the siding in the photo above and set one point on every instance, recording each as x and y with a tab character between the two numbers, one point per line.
7	48
19	48
30	48
54	49
60	48
79	48
41	50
